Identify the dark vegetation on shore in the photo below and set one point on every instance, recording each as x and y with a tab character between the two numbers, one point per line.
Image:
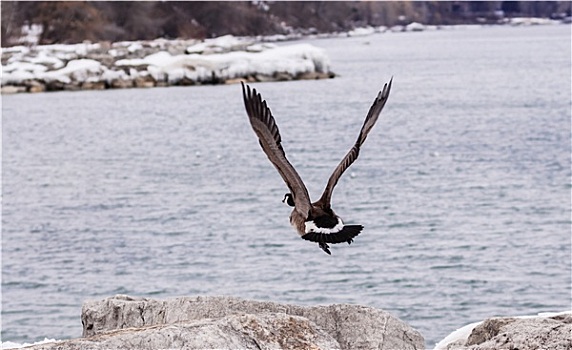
76	21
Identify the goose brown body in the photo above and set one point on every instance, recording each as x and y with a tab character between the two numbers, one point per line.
315	221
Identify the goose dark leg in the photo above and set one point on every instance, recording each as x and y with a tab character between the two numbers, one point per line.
325	247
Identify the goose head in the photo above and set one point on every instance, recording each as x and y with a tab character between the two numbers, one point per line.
288	199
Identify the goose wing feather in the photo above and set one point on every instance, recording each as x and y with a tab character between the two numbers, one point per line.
353	153
265	127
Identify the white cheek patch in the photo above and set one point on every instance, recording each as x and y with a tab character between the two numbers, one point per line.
311	227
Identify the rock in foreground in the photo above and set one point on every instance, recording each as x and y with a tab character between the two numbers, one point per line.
123	322
247	331
524	333
352	326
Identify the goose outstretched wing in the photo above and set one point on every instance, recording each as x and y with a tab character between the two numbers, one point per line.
266	129
353	153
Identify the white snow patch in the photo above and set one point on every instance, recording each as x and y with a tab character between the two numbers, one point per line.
20	71
78	70
135	47
114	52
278	37
397	28
293	59
69	51
109	75
18	49
24	66
260	47
414	27
13	345
518	21
16	77
363	31
460	335
219	45
45	59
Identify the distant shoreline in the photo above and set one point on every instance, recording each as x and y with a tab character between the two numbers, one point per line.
160	62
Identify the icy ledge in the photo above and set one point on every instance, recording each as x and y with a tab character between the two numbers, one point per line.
159	62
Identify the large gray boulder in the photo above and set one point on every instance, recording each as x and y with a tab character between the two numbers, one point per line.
262	331
345	326
523	333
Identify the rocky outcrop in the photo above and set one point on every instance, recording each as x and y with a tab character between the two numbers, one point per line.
123	322
523	333
352	326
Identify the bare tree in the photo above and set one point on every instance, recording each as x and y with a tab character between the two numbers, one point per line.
69	22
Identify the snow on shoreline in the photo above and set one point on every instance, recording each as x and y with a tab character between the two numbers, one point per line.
157	63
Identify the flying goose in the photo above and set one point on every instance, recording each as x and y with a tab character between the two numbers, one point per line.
316	221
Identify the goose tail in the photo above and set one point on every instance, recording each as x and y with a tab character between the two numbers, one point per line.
346	234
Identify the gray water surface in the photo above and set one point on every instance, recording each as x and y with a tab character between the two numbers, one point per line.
463	187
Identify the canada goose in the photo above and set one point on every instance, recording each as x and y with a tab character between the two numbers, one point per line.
316	221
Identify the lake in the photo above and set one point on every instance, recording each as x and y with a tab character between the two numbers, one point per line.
463	187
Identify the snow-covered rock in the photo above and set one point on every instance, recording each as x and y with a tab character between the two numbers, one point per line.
526	21
294	59
24	66
76	70
158	62
397	28
48	61
14	73
363	31
543	331
221	44
414	27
